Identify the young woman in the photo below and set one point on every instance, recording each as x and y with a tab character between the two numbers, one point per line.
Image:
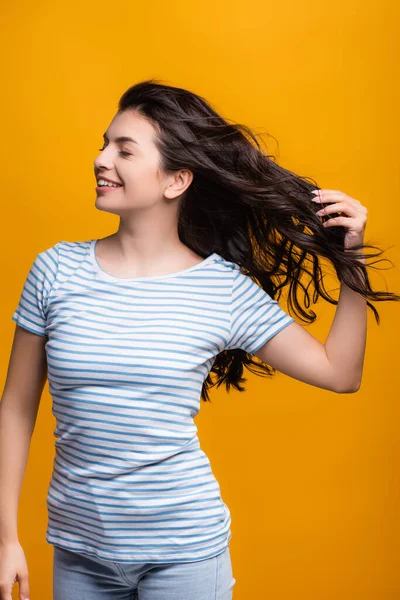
134	328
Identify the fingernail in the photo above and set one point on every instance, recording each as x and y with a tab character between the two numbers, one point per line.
315	192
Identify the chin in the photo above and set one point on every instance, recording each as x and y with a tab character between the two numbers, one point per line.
110	209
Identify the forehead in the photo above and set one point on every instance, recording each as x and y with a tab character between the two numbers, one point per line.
130	124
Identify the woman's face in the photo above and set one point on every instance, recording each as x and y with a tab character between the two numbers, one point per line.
134	164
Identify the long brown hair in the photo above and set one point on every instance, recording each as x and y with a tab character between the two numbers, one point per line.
244	206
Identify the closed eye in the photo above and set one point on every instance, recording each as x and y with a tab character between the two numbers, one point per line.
121	152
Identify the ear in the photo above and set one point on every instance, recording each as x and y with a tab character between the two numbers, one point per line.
181	181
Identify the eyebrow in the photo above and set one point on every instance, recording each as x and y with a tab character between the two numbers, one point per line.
122	138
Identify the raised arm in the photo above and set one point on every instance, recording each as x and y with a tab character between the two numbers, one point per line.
336	365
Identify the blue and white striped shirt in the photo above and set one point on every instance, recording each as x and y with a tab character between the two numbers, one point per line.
127	359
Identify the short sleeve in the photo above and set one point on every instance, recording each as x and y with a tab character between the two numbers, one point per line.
31	310
255	316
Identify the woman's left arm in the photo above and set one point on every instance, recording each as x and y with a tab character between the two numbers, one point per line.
346	342
336	365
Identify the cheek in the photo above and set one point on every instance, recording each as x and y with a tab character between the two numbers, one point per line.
143	178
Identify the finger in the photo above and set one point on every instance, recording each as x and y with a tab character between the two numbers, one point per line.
325	195
330	191
340	197
24	587
337	207
344	221
326	191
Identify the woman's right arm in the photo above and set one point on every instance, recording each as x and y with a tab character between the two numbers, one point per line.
26	377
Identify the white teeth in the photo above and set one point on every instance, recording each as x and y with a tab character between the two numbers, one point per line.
104	182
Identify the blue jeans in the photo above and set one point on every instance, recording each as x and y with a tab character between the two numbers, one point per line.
78	575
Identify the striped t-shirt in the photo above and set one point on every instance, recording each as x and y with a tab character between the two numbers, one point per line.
127	359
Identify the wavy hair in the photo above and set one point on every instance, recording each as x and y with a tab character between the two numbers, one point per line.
253	212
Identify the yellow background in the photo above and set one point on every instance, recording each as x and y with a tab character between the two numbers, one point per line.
311	477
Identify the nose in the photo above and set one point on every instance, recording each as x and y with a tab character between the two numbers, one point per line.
101	167
103	161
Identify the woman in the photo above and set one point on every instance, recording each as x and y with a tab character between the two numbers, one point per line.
131	328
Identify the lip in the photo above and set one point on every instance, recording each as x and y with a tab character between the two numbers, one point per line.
105	189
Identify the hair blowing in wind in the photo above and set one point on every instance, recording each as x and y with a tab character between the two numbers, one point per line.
244	206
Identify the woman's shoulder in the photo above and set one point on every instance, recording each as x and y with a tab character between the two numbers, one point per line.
64	250
228	264
237	273
65	246
73	245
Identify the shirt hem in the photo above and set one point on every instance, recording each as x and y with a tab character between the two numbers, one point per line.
88	550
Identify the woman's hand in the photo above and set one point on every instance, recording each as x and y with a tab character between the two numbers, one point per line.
355	220
13	567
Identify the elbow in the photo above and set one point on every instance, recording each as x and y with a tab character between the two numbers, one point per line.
349	388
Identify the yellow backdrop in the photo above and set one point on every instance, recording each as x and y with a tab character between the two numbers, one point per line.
311	477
